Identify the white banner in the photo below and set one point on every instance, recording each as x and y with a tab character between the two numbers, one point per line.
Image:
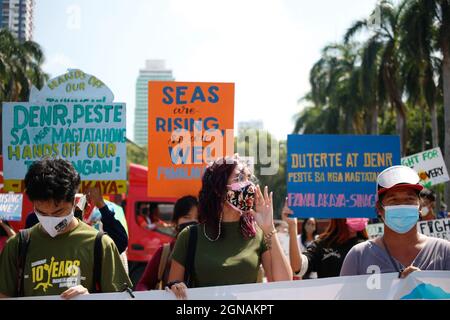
418	285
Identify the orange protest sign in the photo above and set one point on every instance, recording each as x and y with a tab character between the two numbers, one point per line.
189	125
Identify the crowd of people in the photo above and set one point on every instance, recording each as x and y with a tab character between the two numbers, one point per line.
225	236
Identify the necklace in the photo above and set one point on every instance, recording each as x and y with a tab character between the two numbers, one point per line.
218	234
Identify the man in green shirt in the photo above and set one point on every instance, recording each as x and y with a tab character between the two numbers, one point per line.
59	258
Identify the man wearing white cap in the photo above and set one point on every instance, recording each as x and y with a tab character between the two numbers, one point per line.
402	248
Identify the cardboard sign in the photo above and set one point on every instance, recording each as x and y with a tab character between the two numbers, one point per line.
429	165
334	176
11	206
375	230
438	228
189	125
84	127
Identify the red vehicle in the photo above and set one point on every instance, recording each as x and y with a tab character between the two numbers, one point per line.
143	243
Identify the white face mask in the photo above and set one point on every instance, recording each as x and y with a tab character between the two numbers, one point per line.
424	211
55	225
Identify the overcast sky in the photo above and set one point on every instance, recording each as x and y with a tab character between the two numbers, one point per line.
266	47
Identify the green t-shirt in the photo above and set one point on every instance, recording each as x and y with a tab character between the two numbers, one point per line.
54	264
230	260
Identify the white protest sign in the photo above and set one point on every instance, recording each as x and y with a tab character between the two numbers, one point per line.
418	285
429	165
438	228
375	230
73	117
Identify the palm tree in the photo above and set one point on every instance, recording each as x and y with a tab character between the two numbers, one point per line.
334	93
437	13
386	41
20	68
420	64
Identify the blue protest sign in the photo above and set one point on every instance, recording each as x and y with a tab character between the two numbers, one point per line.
334	176
11	206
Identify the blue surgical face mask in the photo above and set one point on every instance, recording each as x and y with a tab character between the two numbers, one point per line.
401	218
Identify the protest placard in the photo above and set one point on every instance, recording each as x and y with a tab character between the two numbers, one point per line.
429	165
11	206
73	118
438	228
189	125
334	176
375	230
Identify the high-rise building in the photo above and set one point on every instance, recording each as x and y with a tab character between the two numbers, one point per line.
250	124
17	16
154	70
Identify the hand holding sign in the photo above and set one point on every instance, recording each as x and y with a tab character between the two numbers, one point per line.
94	196
286	213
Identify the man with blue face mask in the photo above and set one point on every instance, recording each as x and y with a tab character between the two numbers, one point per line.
402	248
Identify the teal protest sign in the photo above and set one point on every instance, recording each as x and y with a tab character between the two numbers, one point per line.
73	118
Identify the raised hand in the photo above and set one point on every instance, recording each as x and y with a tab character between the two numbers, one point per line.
286	213
264	209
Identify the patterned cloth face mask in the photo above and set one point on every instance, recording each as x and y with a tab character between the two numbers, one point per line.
241	196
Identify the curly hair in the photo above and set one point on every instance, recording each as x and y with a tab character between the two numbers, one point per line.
52	179
213	194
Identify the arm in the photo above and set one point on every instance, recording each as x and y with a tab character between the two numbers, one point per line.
177	269
114	229
275	263
9	231
294	250
176	272
111	225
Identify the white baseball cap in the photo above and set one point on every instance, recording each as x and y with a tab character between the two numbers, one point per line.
397	176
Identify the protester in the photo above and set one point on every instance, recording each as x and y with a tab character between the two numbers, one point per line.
111	225
61	255
326	254
309	233
402	248
229	246
427	202
103	217
6	232
156	273
303	240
